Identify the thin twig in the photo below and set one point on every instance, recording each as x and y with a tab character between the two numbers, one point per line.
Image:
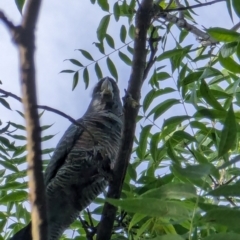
6	21
153	50
143	21
230	180
204	38
236	27
193	6
50	109
181	14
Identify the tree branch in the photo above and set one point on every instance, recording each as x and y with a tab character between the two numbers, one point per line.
6	21
143	19
193	6
50	109
204	38
24	37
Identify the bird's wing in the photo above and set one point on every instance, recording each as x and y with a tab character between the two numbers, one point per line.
63	148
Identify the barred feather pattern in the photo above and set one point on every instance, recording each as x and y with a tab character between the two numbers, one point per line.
68	183
77	172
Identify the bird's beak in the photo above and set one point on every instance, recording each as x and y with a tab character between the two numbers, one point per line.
107	88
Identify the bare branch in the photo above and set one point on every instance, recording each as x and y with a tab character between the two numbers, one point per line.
50	109
152	57
181	15
236	27
24	37
193	6
143	20
6	21
205	39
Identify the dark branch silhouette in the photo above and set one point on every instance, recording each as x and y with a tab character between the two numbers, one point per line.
193	6
24	38
50	109
131	107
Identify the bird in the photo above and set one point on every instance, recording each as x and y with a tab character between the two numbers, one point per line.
81	165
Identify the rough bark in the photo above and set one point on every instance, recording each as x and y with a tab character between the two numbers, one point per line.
24	37
131	107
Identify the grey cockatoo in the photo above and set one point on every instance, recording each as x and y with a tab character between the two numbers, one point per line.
82	160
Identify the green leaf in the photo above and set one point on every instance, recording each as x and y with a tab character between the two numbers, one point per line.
102	28
9	165
172	191
116	11
75	62
229	133
112	69
180	135
175	120
238	51
209	97
98	71
46	138
168	237
6	142
210	114
14	197
193	171
153	207
210	72
191	77
5	103
163	107
135	219
236	7
2	172
152	94
18	137
13	185
125	58
45	127
169	54
229	64
20	4
86	54
162	76
225	216
143	228
223	236
142	146
131	32
75	80
123	33
132	172
224	35
100	47
229	8
104	5
86	77
110	41
154	146
67	71
48	150
228	49
18	126
226	191
4	129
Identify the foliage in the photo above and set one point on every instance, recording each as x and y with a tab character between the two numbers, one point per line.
183	179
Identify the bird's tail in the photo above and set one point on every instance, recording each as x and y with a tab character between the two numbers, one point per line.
23	234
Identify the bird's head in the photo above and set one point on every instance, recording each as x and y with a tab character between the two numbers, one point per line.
106	96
